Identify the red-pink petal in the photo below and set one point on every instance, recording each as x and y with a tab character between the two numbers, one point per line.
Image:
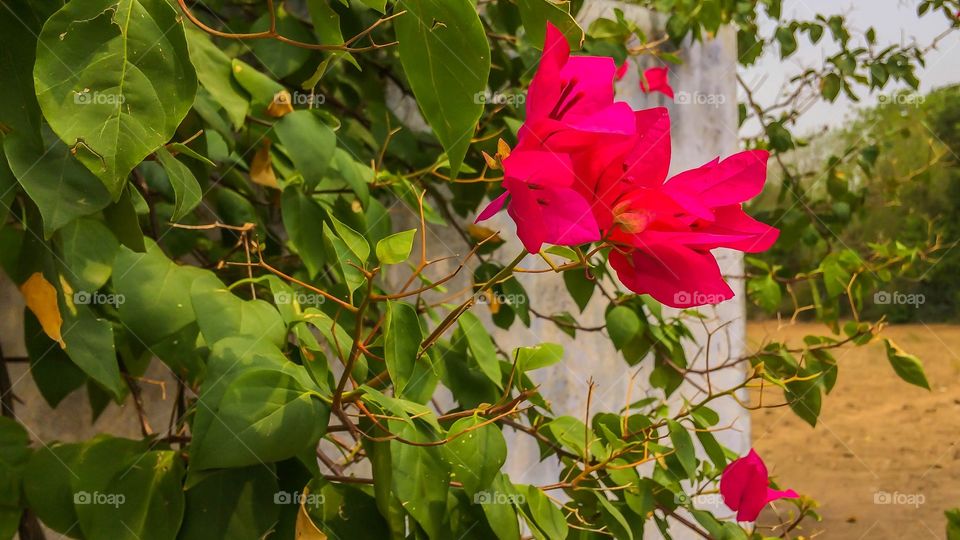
621	71
495	206
736	179
655	80
674	275
744	487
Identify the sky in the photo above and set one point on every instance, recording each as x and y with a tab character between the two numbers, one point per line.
895	22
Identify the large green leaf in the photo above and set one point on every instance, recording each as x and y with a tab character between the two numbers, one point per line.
308	141
143	500
90	344
114	79
396	248
87	249
47	485
239	504
215	71
60	186
222	314
55	375
481	346
156	293
475	453
413	378
421	480
263	416
303	219
446	57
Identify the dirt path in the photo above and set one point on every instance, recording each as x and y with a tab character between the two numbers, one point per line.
884	460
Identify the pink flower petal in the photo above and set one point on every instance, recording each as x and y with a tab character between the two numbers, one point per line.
736	179
655	80
495	206
674	275
621	71
744	485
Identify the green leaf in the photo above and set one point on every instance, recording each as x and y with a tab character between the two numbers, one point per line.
90	345
303	219
788	41
481	346
47	485
413	378
805	400
765	291
536	13
55	375
421	480
88	250
346	259
239	504
477	455
538	356
149	499
907	366
281	59
186	189
683	448
830	86
156	293
114	79
221	314
502	518
953	523
623	324
545	517
446	57
396	248
354	241
379	5
14	455
579	286
309	142
263	416
62	188
215	72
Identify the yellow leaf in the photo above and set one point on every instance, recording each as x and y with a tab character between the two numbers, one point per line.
503	150
306	529
261	168
281	105
479	233
41	298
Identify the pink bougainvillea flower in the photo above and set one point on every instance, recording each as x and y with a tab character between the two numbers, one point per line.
744	485
664	233
655	80
571	98
543	202
621	71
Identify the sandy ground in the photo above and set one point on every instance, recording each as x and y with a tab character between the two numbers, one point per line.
884	460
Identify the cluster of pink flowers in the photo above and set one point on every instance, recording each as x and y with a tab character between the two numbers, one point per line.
587	168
